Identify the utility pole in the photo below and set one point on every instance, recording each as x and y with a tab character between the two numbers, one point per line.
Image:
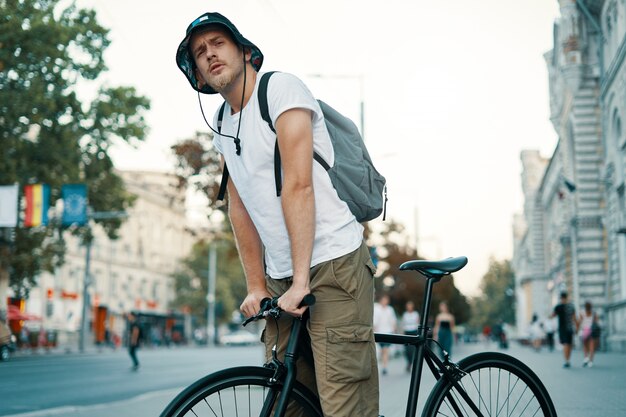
210	326
86	301
84	323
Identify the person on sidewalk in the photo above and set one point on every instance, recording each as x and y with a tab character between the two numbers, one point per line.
134	333
588	320
536	333
410	324
444	328
549	328
566	314
385	321
303	240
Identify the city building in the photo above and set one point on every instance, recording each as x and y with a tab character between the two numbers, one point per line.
132	273
571	237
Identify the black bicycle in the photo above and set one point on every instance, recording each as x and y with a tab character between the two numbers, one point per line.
488	384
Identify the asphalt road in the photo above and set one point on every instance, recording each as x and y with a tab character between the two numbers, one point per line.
101	385
37	382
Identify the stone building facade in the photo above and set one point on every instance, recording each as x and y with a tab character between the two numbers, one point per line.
130	273
581	195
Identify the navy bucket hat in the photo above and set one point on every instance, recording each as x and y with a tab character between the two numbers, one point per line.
185	61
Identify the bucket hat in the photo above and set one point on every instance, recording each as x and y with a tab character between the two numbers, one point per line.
185	61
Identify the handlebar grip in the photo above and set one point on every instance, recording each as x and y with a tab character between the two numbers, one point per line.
307	301
267	303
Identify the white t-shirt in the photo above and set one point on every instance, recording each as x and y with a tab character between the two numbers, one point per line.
410	321
384	319
337	232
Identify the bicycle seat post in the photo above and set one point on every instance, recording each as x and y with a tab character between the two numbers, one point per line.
423	330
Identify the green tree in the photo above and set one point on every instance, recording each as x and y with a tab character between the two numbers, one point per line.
48	133
408	285
496	301
198	165
191	282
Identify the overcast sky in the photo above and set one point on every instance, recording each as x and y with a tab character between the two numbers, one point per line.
453	91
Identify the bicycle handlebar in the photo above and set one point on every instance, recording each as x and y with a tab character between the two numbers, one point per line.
269	307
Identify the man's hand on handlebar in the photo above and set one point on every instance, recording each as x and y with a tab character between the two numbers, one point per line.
290	302
252	303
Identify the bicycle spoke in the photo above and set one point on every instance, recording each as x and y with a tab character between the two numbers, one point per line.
210	408
236	407
494	392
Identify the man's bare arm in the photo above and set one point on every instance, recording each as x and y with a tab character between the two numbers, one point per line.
250	251
295	140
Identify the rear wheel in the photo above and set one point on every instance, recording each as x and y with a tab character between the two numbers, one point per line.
243	391
497	384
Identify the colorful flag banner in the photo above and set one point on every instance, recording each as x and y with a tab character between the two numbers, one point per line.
37	204
74	204
8	205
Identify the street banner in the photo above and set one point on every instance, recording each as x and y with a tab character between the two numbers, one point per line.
8	205
74	204
37	204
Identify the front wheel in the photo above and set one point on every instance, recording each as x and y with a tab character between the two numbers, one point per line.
242	391
497	384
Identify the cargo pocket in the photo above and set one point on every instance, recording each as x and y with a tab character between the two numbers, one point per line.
349	353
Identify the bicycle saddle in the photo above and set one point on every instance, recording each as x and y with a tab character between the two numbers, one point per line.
435	269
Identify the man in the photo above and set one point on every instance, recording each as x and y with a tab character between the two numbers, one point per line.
567	321
306	240
133	339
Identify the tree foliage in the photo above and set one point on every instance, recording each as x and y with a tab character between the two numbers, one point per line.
497	300
191	283
48	133
409	286
199	164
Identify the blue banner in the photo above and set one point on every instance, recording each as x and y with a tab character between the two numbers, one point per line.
74	204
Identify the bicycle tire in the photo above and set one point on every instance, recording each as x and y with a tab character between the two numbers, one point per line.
498	384
224	394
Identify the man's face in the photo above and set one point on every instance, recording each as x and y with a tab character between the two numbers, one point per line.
219	60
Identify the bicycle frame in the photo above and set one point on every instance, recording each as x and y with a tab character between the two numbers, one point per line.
423	353
285	372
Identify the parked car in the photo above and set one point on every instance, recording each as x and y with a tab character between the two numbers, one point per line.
7	342
239	338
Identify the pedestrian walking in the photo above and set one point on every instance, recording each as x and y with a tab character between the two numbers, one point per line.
549	327
566	314
294	240
134	333
536	333
410	324
385	321
588	322
486	335
444	327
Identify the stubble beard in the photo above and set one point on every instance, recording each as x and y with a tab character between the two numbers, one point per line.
223	81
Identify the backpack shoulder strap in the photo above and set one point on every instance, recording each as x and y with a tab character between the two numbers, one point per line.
265	114
222	192
262	95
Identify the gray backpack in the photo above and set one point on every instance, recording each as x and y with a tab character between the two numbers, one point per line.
353	175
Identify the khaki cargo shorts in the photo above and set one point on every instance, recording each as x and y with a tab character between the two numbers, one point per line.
345	372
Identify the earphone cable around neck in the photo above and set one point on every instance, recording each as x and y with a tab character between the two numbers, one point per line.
236	137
